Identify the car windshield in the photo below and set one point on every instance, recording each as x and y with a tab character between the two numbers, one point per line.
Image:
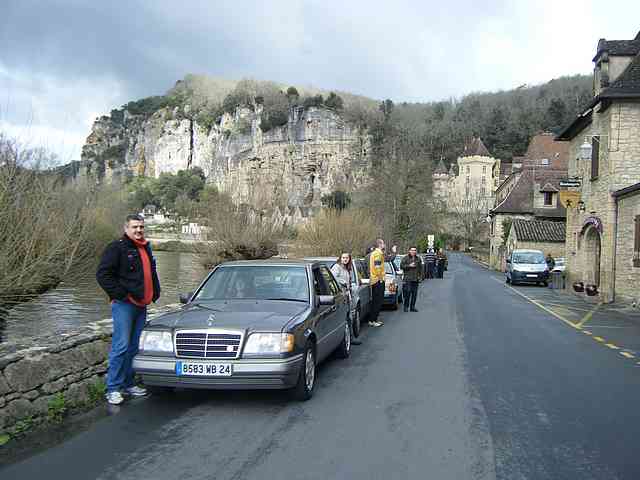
270	282
528	257
559	261
397	260
388	268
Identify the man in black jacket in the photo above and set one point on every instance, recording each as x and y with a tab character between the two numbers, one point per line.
127	273
411	266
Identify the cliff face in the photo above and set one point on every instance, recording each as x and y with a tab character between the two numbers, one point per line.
314	153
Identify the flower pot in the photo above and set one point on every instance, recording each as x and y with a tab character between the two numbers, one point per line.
578	287
591	290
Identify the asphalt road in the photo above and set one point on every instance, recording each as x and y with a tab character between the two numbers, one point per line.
480	384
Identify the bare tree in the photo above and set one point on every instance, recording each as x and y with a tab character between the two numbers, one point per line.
467	213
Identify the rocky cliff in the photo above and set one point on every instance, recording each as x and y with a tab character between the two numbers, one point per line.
292	165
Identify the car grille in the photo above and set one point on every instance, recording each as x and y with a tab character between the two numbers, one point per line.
208	343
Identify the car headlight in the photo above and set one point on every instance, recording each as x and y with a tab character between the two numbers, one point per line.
156	341
269	343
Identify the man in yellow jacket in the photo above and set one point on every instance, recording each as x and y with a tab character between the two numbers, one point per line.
376	280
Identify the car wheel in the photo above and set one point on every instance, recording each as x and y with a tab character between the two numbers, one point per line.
344	349
307	378
546	284
355	323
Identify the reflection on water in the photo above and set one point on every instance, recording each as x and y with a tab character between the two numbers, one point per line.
80	300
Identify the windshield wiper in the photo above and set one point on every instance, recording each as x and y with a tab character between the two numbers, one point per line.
288	299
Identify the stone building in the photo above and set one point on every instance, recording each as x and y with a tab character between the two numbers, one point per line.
537	235
604	145
476	180
531	192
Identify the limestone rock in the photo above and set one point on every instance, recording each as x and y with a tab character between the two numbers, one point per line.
4	387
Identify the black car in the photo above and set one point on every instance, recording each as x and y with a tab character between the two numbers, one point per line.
250	325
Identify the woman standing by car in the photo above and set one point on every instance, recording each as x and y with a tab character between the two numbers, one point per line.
343	271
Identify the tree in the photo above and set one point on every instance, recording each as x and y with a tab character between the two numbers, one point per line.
386	107
337	200
292	95
334	101
469	213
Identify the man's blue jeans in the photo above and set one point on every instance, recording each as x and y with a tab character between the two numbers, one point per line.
128	321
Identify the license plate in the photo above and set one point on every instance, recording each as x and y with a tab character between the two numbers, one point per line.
532	275
201	369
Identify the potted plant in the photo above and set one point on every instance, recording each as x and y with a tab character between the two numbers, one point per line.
591	290
578	287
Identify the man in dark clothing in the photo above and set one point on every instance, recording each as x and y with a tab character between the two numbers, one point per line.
441	261
127	273
430	260
551	263
411	266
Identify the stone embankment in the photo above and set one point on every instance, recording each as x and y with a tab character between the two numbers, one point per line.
41	378
38	372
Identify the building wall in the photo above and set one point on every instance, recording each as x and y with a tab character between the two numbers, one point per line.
627	277
497	248
619	168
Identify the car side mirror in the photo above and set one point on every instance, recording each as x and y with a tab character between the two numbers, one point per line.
365	281
185	297
400	272
508	260
327	300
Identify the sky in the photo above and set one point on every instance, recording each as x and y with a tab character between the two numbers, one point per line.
65	62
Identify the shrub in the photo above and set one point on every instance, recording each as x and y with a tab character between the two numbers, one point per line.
334	101
333	232
57	408
237	233
315	101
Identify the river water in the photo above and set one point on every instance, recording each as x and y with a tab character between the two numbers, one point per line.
80	300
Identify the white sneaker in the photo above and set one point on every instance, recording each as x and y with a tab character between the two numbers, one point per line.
375	324
114	398
136	391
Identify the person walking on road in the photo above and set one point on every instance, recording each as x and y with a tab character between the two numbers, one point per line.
411	266
127	273
343	271
376	280
441	260
430	260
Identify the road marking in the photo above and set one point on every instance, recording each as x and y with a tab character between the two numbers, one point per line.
612	346
628	355
539	305
588	316
587	332
599	339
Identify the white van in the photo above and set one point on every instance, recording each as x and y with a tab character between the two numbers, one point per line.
527	266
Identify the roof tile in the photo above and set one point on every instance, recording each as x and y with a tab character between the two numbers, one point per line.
539	230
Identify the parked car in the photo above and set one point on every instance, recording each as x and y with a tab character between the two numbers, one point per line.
250	325
527	266
360	292
560	265
392	285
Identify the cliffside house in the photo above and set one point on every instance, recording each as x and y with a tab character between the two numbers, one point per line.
603	232
531	193
542	235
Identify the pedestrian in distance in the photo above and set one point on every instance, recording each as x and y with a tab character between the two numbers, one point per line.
441	260
430	260
411	266
551	263
127	273
343	272
376	280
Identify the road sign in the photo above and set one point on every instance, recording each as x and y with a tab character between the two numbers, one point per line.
570	183
569	199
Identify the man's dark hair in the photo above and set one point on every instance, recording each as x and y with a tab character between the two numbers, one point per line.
133	217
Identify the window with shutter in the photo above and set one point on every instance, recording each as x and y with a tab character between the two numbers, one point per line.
636	242
595	157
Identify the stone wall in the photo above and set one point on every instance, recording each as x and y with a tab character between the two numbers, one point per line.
35	372
627	286
618	168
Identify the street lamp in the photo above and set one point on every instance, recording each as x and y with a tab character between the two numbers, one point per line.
585	150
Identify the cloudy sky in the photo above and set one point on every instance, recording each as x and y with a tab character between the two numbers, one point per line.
64	62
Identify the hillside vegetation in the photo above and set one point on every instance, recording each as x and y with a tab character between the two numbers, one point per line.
505	120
